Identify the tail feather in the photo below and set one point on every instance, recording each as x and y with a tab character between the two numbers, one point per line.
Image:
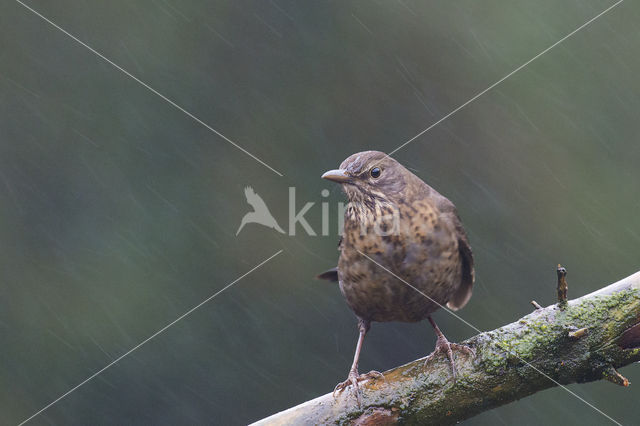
330	275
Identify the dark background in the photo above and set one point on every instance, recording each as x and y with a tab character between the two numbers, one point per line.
119	212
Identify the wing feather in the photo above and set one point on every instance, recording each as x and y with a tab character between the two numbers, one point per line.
463	293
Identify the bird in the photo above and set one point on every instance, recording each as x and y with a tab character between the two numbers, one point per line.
260	213
404	252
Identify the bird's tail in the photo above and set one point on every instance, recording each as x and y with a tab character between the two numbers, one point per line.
242	224
277	227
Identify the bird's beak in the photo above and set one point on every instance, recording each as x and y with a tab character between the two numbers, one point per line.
338	175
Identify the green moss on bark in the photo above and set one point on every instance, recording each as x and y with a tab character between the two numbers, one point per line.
511	362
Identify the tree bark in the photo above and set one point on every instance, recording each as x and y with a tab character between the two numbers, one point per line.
580	341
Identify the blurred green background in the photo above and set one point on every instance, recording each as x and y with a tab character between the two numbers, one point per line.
119	212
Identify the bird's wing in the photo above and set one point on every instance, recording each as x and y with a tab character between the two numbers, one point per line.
463	293
254	200
330	275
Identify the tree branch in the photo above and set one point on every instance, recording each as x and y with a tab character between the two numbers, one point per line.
582	341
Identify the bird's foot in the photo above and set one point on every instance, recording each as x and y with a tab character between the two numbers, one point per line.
446	347
353	379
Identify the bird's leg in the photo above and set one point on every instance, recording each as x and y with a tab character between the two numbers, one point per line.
353	378
443	345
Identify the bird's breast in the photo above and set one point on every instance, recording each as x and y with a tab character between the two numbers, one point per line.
398	262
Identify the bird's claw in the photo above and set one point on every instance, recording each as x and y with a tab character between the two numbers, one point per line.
443	345
353	379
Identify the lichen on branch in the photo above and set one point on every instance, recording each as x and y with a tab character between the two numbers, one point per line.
583	340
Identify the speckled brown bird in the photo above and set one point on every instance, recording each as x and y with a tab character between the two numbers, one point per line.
403	253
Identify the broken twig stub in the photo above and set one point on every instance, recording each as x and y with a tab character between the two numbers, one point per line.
611	374
562	285
576	334
548	346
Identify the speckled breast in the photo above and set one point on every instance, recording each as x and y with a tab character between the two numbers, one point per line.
411	271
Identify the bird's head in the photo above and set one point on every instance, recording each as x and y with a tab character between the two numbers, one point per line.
371	176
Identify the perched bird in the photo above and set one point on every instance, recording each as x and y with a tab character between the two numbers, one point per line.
403	253
260	213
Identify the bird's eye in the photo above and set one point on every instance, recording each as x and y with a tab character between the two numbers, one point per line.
375	172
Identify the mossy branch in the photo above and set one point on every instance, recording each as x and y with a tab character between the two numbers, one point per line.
583	340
